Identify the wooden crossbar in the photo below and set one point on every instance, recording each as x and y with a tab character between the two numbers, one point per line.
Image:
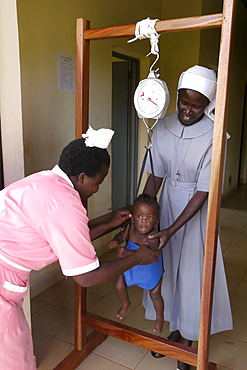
103	327
140	338
171	25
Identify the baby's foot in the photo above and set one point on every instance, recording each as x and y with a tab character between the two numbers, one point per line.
158	326
122	311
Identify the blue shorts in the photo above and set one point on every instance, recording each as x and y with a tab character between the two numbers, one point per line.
144	276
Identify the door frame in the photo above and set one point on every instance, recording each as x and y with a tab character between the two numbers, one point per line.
132	128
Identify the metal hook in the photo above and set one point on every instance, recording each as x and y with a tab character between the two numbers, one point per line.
151	68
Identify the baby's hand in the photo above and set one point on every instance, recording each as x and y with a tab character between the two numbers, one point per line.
122	252
112	244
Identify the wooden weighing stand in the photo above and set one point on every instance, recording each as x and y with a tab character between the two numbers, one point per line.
103	327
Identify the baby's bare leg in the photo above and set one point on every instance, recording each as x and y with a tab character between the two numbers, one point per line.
122	293
155	295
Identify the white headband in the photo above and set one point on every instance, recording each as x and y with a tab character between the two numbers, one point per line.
98	138
204	81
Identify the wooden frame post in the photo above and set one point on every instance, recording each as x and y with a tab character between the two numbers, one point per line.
218	153
82	109
103	327
82	77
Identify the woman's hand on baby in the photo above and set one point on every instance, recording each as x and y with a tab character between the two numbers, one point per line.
163	235
119	217
146	255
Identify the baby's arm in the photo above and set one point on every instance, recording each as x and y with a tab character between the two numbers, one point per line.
116	241
119	238
154	243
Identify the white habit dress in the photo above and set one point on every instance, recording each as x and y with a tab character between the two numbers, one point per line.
182	154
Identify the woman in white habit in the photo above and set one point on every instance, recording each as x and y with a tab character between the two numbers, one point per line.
181	152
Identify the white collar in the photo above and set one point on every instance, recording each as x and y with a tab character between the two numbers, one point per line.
188	132
57	170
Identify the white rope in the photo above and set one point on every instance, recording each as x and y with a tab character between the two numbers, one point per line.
146	29
149	130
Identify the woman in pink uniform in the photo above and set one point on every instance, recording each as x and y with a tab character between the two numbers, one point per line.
42	219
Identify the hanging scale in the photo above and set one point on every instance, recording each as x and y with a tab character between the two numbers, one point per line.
151	98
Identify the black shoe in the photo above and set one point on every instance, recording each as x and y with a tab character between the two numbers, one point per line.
174	336
157	354
183	366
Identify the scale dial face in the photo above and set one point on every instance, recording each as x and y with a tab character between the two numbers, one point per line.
150	98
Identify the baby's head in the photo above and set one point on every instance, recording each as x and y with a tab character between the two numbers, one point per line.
145	213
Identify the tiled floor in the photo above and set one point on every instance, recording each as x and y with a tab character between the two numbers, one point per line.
52	312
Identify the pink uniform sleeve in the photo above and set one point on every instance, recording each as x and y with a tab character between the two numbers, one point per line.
66	230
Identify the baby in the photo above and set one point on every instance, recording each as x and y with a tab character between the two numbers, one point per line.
144	221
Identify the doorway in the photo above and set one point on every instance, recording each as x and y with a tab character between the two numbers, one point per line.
125	77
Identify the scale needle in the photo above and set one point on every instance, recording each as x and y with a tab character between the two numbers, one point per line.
149	99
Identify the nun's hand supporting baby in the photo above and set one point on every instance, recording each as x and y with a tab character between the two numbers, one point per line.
163	235
145	255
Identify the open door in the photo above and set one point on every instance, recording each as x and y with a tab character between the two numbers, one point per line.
125	76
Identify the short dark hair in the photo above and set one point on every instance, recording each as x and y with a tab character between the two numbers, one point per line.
145	198
76	158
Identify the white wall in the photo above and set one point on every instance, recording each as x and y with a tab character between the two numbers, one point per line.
46	29
179	50
10	103
10	94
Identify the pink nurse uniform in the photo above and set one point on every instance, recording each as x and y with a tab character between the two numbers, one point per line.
42	220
